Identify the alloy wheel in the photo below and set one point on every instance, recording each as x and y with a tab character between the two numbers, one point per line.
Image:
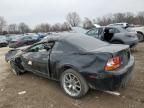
71	84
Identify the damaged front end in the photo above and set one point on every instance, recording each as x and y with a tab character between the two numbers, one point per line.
10	54
14	52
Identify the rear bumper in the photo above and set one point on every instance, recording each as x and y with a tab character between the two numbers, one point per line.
113	80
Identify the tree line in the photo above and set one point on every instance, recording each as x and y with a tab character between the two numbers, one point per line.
72	20
129	17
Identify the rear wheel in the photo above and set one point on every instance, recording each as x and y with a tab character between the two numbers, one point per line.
73	84
140	37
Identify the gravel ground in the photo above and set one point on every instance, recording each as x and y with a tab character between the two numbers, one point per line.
43	93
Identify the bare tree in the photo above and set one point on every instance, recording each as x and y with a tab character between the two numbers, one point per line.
141	13
73	18
140	18
13	28
122	17
37	29
129	17
102	21
56	27
65	26
23	28
45	27
119	17
2	24
87	24
42	28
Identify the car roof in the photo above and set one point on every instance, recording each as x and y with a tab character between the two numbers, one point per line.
104	27
62	36
79	40
117	27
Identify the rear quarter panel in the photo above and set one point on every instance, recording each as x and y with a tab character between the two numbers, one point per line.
83	63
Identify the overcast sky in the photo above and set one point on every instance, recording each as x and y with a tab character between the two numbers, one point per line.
34	12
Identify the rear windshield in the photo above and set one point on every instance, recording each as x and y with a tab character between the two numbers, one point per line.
87	42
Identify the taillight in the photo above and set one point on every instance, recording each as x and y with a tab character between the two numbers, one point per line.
113	63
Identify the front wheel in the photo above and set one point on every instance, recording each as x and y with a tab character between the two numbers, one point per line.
140	37
73	84
14	69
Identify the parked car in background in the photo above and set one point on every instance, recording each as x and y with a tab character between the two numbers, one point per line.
114	35
139	30
3	41
132	28
123	25
23	41
42	35
78	61
13	38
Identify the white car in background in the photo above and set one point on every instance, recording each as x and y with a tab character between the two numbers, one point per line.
123	24
139	30
132	28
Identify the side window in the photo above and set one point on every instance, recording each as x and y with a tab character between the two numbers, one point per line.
111	30
36	48
116	31
93	32
41	47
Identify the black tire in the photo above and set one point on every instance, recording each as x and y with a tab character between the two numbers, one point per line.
14	69
140	37
82	81
117	42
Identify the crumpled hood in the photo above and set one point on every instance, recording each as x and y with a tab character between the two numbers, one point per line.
14	52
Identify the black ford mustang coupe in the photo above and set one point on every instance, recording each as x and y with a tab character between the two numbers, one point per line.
78	61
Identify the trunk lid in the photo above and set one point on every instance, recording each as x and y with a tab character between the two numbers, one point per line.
122	51
111	48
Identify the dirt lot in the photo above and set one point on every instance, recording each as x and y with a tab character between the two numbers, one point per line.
43	93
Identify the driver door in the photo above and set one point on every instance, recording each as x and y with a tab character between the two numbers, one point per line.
36	59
